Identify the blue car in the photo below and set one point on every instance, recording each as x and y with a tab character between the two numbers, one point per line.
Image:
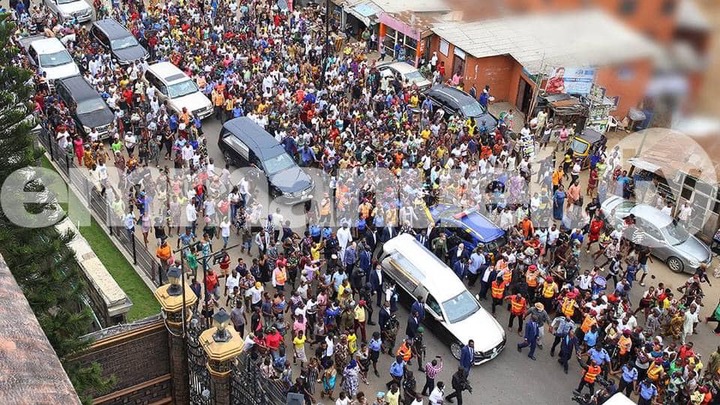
469	227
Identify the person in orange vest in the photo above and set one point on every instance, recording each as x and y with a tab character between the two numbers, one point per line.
531	278
568	305
592	370
497	290
405	350
548	291
518	305
279	277
624	346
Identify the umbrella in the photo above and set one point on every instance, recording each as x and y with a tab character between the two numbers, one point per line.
600	281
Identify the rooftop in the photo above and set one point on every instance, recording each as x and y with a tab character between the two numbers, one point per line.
538	42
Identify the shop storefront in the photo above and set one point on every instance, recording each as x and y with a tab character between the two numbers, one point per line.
400	40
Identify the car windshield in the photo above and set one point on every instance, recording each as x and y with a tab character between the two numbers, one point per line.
66	1
278	163
472	110
675	233
182	89
55	59
460	307
122	43
580	147
90	106
414	76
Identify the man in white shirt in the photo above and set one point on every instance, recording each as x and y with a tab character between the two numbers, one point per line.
437	396
191	216
231	281
344	237
685	212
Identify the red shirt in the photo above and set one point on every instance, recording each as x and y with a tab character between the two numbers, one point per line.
211	281
272	340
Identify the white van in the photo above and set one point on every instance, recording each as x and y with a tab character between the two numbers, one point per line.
173	85
452	312
619	399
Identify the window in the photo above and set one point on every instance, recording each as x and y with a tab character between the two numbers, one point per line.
628	7
433	304
444	47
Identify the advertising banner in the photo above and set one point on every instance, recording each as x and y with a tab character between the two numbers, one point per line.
570	80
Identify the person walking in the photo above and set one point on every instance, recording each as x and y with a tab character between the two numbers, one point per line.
531	336
592	370
459	384
467	356
432	369
568	346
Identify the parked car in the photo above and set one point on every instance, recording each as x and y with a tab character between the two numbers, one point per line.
179	90
456	102
244	143
50	57
118	41
469	227
88	109
667	239
67	10
406	72
453	312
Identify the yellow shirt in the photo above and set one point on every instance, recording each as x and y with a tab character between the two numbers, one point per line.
392	399
425	134
359	314
299	342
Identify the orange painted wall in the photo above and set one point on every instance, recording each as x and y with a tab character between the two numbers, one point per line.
503	73
628	81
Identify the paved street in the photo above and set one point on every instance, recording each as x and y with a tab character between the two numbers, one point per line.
503	380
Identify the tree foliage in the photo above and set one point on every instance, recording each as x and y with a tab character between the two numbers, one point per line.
39	258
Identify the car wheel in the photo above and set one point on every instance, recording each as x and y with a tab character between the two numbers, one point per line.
456	349
675	264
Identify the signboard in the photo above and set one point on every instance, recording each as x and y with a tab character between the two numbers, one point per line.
570	80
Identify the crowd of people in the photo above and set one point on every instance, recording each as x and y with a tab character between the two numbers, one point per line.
307	298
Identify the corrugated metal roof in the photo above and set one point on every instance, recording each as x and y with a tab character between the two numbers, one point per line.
537	42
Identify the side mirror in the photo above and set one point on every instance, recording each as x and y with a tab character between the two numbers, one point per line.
438	318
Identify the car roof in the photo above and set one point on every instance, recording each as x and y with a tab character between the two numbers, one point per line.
79	88
415	253
452	93
112	28
401	67
651	215
47	45
255	137
166	71
468	219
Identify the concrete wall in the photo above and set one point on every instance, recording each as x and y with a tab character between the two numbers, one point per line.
138	356
30	371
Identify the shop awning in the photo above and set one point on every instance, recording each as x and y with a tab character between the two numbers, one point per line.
365	12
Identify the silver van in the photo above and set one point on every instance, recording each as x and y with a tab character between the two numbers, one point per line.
452	312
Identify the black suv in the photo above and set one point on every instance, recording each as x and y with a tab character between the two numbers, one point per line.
118	40
243	143
456	102
88	109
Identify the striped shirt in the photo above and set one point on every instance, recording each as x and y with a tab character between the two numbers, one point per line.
432	371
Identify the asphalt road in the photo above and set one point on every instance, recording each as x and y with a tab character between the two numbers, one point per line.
512	377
